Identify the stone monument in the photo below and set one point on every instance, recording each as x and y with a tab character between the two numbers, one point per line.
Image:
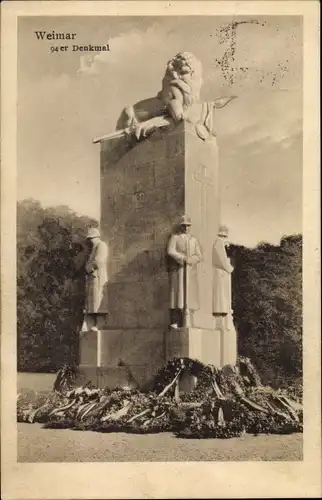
160	164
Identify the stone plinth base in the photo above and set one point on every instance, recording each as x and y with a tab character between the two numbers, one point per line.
228	347
228	339
138	352
210	346
196	343
112	377
217	347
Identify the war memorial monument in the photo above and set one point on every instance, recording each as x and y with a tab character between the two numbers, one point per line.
158	280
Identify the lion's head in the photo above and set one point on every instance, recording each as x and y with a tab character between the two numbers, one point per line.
183	76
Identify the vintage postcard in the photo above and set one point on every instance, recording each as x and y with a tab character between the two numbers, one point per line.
160	250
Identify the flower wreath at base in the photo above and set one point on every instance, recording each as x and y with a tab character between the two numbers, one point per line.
225	402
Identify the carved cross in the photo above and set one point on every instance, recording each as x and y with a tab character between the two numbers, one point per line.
205	182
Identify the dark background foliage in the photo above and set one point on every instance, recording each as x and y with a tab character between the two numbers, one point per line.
267	303
267	295
50	285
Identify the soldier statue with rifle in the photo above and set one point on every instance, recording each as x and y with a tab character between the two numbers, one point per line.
184	252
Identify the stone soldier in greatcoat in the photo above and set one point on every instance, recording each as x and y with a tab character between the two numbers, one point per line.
184	253
222	270
96	278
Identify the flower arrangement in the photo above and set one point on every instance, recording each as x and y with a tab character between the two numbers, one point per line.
224	403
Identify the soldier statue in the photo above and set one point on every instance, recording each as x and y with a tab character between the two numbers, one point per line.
96	279
184	252
222	270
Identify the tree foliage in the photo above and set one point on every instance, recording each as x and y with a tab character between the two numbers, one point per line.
267	303
50	285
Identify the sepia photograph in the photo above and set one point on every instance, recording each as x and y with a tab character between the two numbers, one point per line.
159	286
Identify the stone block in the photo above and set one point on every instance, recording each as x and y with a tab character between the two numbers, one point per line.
101	377
143	347
86	374
122	306
139	350
88	348
116	376
139	178
139	374
100	348
195	343
229	347
211	348
111	347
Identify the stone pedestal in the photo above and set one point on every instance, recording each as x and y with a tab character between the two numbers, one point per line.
196	343
112	377
228	339
145	187
122	354
213	346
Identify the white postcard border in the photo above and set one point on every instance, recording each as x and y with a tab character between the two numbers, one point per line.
162	480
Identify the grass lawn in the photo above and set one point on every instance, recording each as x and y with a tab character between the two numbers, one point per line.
64	445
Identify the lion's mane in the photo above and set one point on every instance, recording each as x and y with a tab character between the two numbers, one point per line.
183	72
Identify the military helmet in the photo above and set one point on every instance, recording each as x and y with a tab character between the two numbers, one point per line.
185	221
93	232
223	230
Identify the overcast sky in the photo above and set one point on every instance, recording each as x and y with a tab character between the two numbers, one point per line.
66	99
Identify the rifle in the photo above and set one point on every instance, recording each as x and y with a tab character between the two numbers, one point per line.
161	122
186	312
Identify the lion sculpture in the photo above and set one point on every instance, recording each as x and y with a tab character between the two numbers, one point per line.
178	99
